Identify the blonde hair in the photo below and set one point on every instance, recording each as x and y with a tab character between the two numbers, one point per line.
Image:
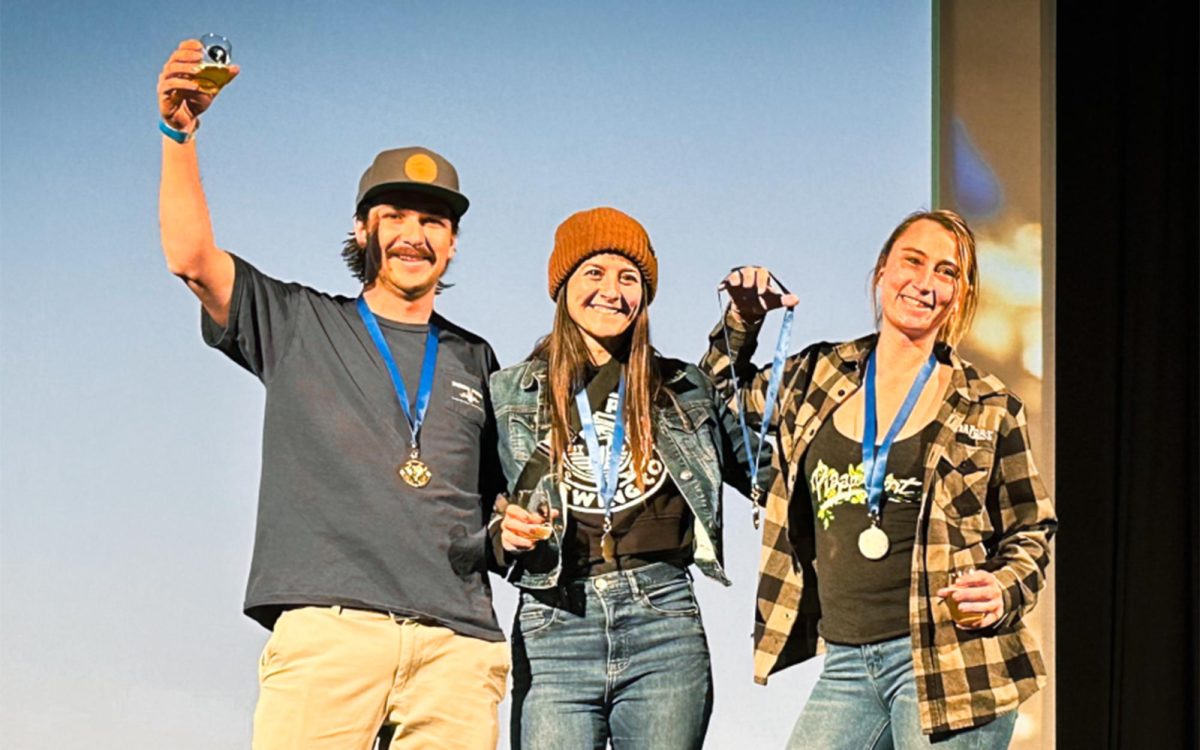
966	296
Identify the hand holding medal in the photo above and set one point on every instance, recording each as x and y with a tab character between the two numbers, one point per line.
753	292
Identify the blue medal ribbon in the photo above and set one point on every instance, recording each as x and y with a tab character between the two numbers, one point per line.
781	349
875	458
428	368
606	476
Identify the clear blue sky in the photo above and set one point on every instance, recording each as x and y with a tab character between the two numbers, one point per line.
788	134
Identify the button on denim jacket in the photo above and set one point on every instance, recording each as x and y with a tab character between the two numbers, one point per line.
696	437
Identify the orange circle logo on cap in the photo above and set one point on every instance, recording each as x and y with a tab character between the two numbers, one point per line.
420	168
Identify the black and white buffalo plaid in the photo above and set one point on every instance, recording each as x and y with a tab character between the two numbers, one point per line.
984	507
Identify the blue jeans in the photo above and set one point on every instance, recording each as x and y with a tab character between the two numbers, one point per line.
619	657
866	699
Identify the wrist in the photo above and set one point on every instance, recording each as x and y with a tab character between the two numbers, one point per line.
742	322
177	135
747	318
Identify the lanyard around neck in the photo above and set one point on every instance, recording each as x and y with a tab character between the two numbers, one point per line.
428	368
606	472
875	458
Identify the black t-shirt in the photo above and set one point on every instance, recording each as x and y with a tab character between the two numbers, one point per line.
862	600
651	523
336	524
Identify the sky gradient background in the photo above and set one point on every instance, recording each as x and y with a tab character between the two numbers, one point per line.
795	135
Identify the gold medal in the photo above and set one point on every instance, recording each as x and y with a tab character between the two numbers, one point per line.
873	543
608	547
414	471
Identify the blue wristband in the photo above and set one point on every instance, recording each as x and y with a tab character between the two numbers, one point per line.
176	135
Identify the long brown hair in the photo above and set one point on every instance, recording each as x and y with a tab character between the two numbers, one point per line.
567	358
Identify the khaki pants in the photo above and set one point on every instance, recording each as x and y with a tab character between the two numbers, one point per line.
330	677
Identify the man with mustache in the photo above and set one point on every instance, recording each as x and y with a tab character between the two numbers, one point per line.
378	465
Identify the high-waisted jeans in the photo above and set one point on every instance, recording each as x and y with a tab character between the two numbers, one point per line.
866	699
620	656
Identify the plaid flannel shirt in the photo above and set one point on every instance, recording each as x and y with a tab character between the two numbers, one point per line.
985	507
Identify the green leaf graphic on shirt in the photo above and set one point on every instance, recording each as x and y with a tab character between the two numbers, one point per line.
831	488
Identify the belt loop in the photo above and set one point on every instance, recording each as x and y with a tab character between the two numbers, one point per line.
631	576
337	609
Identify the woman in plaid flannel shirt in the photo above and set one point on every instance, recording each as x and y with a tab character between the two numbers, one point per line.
923	631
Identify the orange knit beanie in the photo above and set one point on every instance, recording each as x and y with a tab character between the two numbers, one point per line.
601	230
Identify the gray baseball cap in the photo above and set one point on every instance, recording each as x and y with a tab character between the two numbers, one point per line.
413	170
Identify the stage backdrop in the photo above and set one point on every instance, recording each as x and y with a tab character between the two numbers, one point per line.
793	135
994	163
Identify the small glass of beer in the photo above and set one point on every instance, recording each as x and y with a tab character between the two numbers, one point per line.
543	530
961	617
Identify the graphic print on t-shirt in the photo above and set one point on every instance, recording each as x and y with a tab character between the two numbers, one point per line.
579	488
831	488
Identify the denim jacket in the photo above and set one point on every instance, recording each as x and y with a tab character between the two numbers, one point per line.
695	435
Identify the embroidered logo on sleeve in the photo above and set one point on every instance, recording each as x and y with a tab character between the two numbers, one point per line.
465	394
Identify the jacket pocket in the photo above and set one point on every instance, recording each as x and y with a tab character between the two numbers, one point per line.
522	437
692	428
962	475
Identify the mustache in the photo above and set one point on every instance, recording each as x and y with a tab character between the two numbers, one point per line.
373	254
422	250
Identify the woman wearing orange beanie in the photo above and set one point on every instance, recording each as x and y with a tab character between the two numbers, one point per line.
614	457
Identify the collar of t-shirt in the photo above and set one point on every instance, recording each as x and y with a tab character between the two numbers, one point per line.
603	382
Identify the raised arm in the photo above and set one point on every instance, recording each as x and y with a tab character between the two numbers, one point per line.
729	358
187	236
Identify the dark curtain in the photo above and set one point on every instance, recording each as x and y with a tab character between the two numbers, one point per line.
1127	453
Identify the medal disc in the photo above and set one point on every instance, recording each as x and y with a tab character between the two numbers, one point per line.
873	543
608	547
415	472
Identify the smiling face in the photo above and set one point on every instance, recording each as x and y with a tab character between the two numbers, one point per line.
604	295
414	240
919	284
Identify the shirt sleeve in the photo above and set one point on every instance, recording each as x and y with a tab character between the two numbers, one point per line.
1027	517
262	314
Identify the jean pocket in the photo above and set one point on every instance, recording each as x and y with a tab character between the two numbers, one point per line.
533	616
673	598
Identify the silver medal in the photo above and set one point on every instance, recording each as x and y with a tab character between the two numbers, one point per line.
873	543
